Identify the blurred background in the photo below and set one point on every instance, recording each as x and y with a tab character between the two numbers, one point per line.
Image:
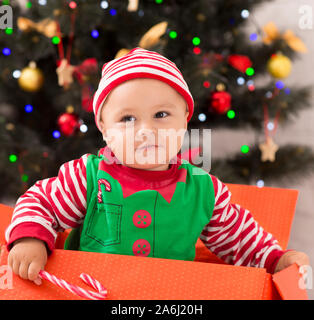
248	65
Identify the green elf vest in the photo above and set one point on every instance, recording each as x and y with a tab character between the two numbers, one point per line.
144	223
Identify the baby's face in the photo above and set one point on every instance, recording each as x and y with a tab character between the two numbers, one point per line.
144	121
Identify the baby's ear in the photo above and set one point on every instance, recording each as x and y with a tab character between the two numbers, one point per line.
102	128
101	124
186	117
187	111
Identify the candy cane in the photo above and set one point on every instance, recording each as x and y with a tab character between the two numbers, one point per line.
108	188
100	295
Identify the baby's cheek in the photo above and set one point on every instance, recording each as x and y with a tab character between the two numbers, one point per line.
126	149
115	143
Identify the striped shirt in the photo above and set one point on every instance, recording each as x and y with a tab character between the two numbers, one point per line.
54	204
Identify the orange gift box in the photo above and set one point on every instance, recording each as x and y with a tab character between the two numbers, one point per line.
143	278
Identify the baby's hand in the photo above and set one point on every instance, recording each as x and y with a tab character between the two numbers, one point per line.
27	257
291	257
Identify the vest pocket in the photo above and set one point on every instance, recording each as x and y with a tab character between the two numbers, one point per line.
105	224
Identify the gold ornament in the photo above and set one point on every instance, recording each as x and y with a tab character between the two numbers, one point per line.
10	126
220	87
279	66
201	17
65	73
122	52
57	12
268	149
152	36
133	5
47	26
31	78
272	33
149	39
69	109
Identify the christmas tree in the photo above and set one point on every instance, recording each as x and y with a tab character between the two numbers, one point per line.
51	61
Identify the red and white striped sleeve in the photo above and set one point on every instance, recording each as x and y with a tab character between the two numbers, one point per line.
235	237
51	205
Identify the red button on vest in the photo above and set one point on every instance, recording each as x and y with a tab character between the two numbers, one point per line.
142	219
141	247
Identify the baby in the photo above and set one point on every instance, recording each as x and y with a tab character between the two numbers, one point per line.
137	196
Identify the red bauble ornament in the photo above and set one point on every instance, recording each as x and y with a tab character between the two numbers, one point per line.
220	101
68	123
239	62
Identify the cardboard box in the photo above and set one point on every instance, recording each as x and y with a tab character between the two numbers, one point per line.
144	278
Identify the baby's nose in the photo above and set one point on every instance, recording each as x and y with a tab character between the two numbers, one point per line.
148	132
146	128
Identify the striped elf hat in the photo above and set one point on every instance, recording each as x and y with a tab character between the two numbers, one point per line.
140	63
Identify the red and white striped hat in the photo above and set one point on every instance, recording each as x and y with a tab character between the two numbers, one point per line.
140	63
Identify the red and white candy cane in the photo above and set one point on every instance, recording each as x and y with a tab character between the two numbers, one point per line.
108	188
87	294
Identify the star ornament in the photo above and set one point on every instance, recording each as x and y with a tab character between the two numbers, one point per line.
268	149
65	73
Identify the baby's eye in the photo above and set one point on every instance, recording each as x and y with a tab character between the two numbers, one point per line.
127	118
162	113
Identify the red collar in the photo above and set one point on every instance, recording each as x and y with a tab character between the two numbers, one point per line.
133	180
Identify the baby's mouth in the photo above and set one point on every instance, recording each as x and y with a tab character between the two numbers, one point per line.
149	146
